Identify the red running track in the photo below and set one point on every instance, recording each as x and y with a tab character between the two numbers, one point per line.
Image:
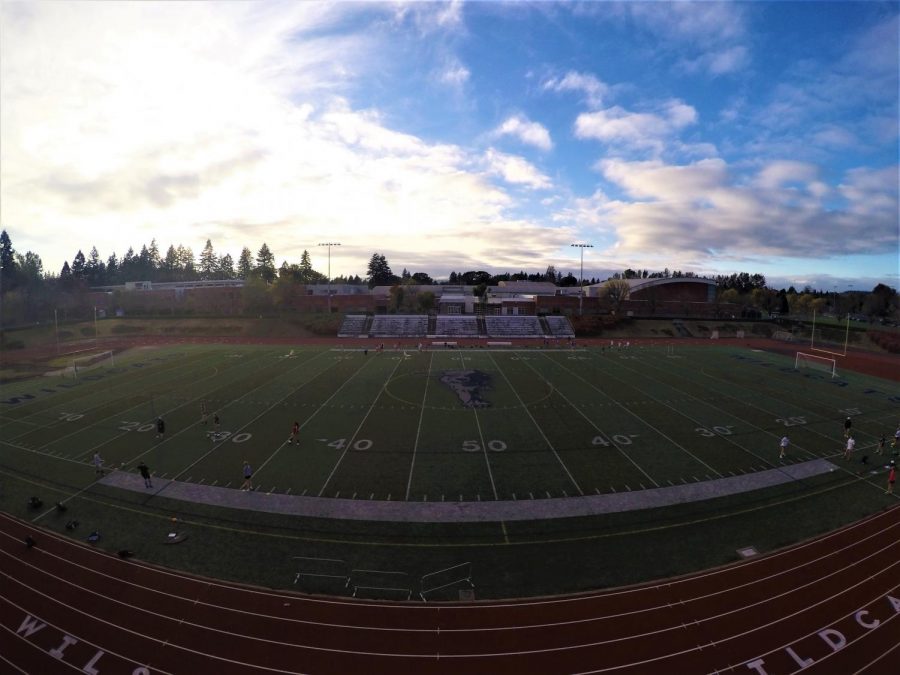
830	605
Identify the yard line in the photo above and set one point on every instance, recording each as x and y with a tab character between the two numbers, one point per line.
639	418
412	463
592	423
537	426
128	384
368	412
219	444
487	460
721	394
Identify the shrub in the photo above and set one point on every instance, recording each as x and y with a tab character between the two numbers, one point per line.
126	328
887	341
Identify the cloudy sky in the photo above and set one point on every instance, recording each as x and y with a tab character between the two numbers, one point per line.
716	138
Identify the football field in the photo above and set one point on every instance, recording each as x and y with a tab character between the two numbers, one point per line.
474	424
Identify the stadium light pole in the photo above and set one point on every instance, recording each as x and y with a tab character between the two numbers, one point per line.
329	244
581	277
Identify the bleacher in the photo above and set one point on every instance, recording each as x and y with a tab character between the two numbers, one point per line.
455	326
513	326
399	325
559	326
353	326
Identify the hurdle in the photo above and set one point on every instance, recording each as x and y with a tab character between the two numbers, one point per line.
321	568
445	578
376	583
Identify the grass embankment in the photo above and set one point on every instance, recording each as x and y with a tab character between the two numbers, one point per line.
528	559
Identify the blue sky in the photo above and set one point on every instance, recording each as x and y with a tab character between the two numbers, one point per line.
706	137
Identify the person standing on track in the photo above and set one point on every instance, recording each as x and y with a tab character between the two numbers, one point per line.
783	444
295	431
145	474
248	475
851	445
892	477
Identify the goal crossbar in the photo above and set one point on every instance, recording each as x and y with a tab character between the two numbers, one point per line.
812	339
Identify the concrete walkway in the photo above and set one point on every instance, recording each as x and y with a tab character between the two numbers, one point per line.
467	512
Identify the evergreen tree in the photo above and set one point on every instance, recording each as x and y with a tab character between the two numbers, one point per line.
112	269
155	261
306	270
78	266
127	266
92	270
245	264
208	262
380	273
265	264
169	266
186	263
145	269
226	267
7	263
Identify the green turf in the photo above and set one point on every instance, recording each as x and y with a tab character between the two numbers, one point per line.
556	423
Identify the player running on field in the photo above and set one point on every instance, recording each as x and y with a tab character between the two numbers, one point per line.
783	444
847	424
851	445
295	431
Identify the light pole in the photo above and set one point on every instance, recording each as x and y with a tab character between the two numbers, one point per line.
329	244
581	277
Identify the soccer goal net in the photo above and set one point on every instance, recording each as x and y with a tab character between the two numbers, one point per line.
816	362
83	364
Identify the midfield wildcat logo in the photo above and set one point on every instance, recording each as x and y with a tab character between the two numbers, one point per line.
469	385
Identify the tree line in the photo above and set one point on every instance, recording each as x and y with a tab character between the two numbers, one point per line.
26	287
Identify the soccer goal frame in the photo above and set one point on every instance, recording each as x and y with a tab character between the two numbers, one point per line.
91	362
816	362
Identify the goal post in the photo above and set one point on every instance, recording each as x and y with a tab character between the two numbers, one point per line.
91	362
816	362
828	339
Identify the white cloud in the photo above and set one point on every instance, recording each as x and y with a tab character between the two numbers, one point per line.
593	89
526	131
695	23
454	74
431	17
718	62
703	212
516	170
782	173
639	130
126	124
